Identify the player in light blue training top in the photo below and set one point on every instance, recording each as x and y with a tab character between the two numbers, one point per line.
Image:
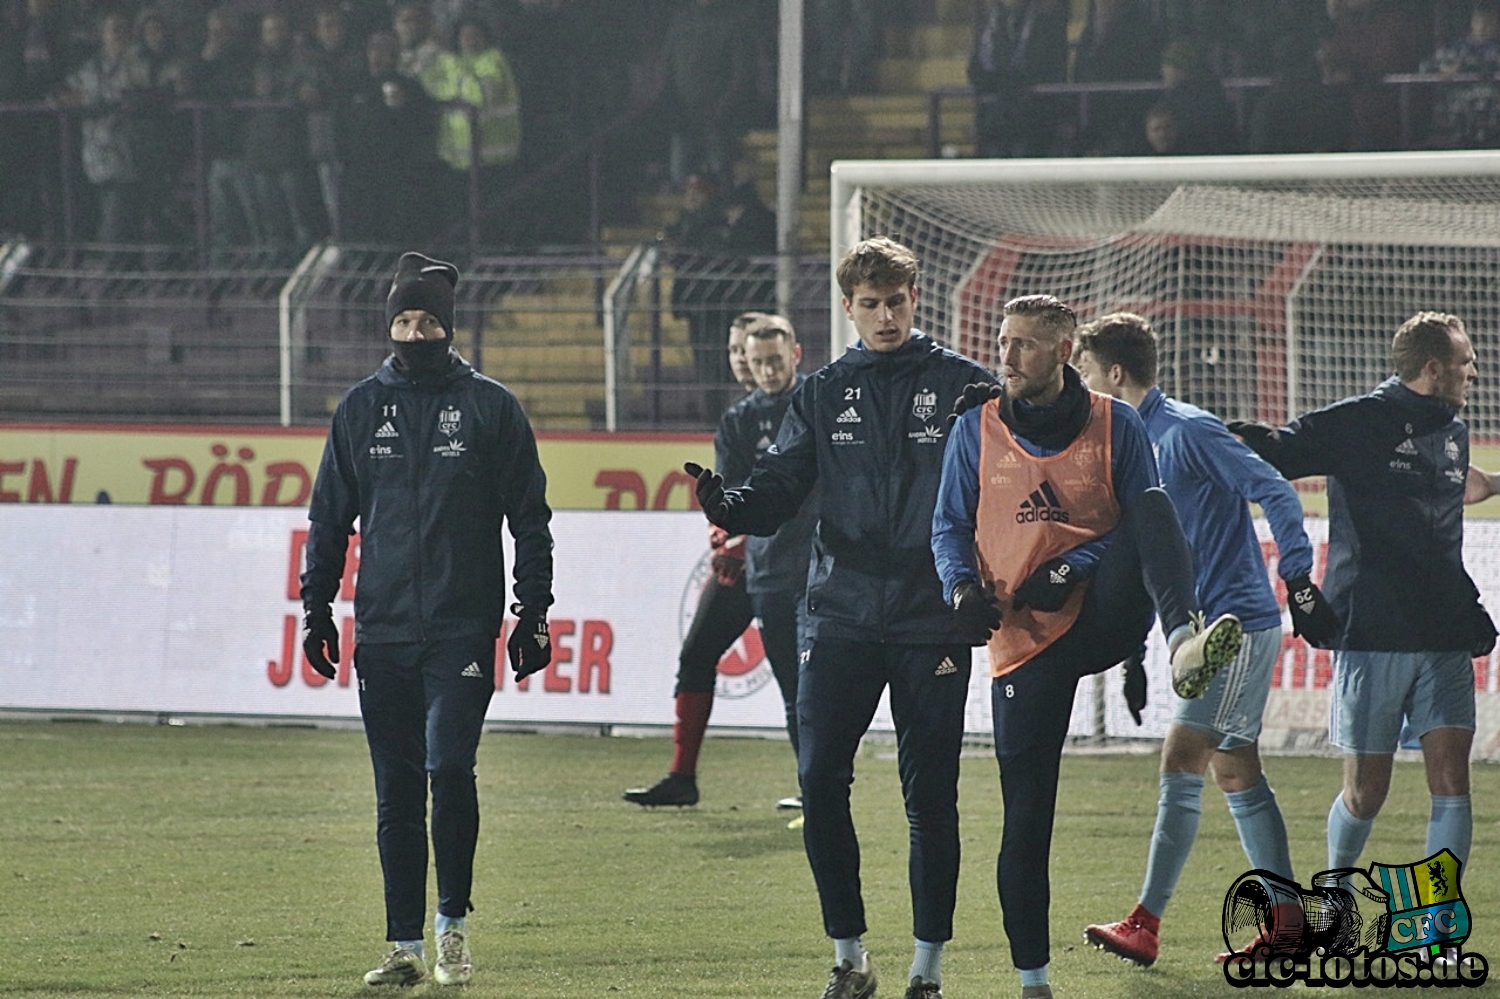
1211	476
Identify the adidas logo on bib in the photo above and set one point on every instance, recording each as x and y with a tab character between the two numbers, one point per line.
1042	504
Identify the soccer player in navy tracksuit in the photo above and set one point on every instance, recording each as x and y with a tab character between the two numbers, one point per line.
434	460
867	431
1212	478
776	566
1397	461
723	613
1051	533
767	580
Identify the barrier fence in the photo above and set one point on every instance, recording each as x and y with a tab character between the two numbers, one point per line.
1073	103
587	339
166	612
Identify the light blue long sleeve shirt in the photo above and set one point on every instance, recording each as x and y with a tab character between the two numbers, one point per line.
1212	476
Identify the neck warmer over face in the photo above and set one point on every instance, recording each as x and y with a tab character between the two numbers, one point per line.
421	360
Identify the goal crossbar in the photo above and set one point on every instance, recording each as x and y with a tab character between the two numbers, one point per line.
850	179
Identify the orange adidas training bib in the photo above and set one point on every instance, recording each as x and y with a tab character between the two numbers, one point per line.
1033	509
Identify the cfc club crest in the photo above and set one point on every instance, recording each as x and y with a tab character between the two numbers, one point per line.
1425	904
449	420
924	405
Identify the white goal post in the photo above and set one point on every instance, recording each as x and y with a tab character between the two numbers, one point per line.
1275	282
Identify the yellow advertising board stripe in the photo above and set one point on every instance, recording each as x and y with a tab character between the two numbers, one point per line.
224	465
166	464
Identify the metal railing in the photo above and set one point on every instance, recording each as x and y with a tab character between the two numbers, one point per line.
58	174
666	321
1239	90
139	333
639	268
585	338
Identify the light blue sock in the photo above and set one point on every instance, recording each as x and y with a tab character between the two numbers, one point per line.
927	964
1034	976
1262	830
1451	825
1179	634
442	924
850	949
415	946
1346	835
1177	814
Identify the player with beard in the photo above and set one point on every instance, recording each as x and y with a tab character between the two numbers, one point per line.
1052	533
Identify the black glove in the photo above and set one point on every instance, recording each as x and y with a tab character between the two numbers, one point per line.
976	607
975	394
1048	587
530	643
1135	684
1483	632
1312	619
1257	435
320	640
710	490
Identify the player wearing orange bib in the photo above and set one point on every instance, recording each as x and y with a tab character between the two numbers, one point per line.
1052	532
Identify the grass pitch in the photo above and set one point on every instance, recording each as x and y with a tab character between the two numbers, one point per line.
233	861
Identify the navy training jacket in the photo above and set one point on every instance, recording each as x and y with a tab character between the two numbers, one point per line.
777	564
431	470
1396	463
868	430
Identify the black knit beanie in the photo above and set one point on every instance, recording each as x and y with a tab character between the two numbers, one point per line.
426	284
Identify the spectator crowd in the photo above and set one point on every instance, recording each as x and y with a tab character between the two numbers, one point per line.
270	124
1320	69
359	119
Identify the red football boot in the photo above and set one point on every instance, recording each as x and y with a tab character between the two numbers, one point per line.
1132	938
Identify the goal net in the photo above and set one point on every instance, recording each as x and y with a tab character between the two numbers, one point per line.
1275	284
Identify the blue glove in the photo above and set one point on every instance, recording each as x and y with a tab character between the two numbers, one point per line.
975	394
709	489
1483	632
1258	436
1135	685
